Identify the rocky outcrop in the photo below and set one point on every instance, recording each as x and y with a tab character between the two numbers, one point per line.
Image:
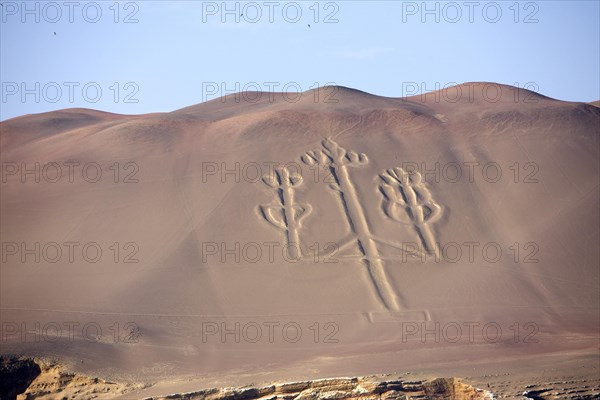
364	388
16	374
27	379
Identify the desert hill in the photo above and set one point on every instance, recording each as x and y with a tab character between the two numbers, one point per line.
167	243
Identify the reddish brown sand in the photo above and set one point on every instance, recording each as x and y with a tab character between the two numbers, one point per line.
205	304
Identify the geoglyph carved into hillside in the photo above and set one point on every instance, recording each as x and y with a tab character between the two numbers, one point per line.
286	214
406	199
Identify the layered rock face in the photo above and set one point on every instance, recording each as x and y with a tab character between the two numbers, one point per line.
25	379
346	388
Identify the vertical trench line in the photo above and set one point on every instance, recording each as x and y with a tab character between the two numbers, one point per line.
416	214
384	294
288	209
375	266
427	236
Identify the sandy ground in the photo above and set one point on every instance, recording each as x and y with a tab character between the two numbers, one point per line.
152	248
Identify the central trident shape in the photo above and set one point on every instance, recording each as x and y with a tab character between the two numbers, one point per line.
338	160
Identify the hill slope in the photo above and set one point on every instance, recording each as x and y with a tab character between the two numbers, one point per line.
162	246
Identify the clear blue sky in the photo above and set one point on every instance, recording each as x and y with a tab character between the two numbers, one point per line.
178	53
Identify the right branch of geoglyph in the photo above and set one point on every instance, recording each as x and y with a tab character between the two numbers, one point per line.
408	201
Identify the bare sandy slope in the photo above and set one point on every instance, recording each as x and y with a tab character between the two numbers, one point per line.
192	280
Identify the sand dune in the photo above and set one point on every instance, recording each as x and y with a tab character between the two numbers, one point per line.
337	234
